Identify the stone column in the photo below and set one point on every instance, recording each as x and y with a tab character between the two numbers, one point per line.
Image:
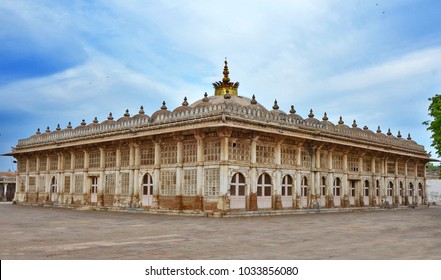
199	170
252	195
345	183
157	175
134	166
277	180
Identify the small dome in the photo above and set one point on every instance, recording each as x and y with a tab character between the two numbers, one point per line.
69	127
355	126
141	114
325	121
341	124
82	125
94	122
276	110
292	114
311	118
162	111
126	117
184	106
109	119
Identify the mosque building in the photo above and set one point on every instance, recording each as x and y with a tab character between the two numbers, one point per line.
224	152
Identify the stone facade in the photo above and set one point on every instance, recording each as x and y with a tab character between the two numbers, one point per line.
221	153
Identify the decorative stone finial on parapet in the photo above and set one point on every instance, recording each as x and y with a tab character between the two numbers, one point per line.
399	134
311	114
388	132
185	103
378	130
275	107
408	137
141	110
292	111
340	121
163	107
253	100
354	123
325	117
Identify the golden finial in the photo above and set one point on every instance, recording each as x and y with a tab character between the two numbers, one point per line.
221	87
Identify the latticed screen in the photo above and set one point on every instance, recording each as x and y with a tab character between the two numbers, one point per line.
337	162
212	181
264	154
168	183
190	152
125	178
147	155
109	186
239	151
94	159
190	182
78	183
110	158
212	151
288	155
169	154
125	157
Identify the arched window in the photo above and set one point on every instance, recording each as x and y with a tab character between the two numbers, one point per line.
53	185
390	188
304	187
401	189
420	190
147	184
323	187
366	188
410	189
264	185
287	186
237	185
336	187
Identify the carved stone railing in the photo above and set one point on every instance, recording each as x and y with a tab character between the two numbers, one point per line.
233	109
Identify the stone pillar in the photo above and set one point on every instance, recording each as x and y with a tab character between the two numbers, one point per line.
179	165
252	197
199	204
200	163
102	179
277	180
134	166
345	186
157	175
223	180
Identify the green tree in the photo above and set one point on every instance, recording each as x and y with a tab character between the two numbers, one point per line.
435	124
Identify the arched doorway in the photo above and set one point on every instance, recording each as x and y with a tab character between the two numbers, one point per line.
147	190
264	192
237	192
336	192
390	192
54	189
323	191
304	191
287	187
402	198
94	190
411	193
366	193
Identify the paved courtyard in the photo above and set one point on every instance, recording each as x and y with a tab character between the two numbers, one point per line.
53	233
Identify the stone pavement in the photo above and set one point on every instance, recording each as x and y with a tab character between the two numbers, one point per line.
28	232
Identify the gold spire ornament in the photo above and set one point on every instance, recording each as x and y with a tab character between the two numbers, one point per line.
221	87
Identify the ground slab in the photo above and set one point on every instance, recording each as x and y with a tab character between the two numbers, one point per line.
29	232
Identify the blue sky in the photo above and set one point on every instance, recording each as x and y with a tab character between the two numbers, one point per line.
374	61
